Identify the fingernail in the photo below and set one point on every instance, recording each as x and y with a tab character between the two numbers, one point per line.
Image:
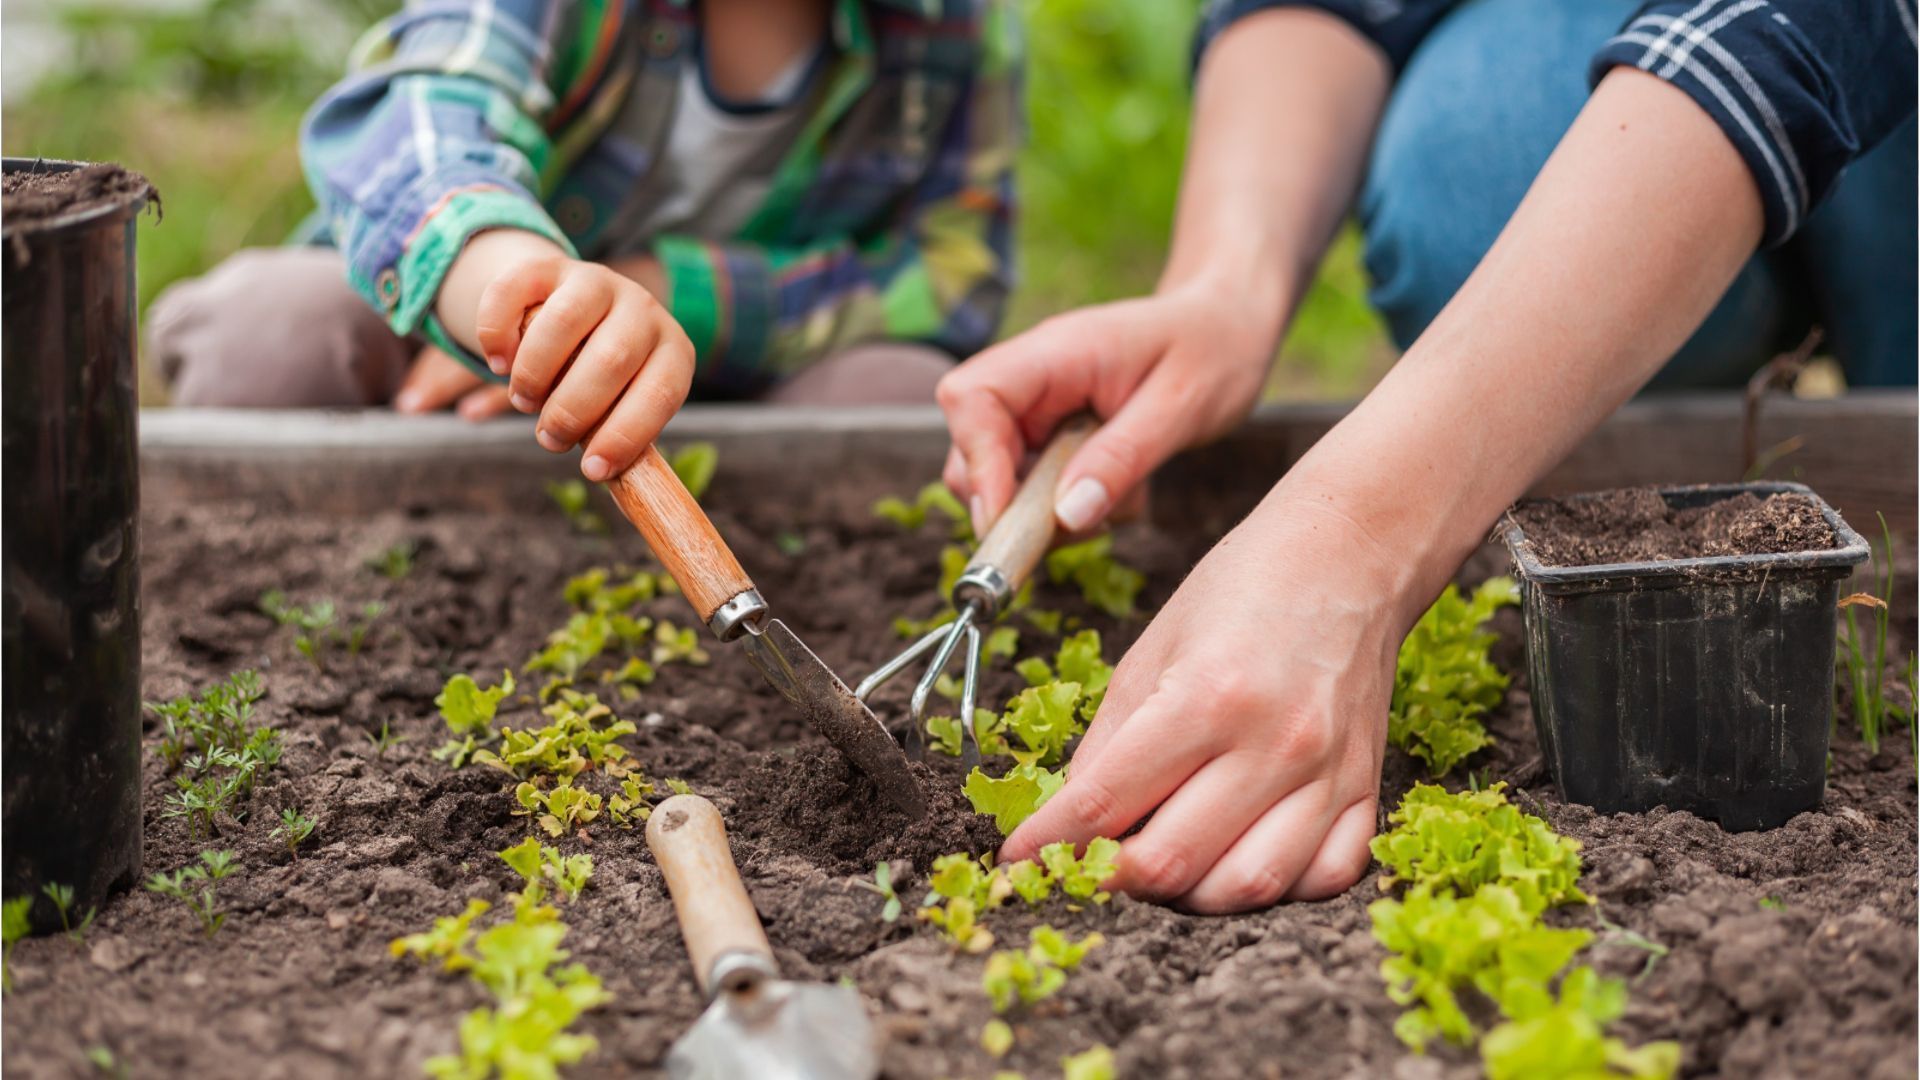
408	401
498	364
596	468
977	509
548	441
1083	504
522	402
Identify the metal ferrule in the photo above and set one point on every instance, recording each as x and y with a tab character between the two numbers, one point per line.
984	588
738	615
738	970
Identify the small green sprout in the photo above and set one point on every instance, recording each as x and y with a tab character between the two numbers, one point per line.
1104	581
1014	977
632	803
469	712
1445	681
393	563
678	786
362	627
16	922
1092	1064
197	888
384	739
103	1060
314	622
882	885
294	828
996	1038
573	497
449	941
1772	903
673	644
563	809
790	543
695	464
1655	951
910	516
1865	653
1081	878
542	867
62	897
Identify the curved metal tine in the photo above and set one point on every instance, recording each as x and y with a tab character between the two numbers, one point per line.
917	708
892	667
969	687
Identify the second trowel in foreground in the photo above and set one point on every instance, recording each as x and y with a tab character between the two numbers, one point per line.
686	543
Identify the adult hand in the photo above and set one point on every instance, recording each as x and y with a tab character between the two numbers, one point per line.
437	381
1249	720
1165	372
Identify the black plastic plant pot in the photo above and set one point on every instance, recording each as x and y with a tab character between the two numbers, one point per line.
70	703
1699	684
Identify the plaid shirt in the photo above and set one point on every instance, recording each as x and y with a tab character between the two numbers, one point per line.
1801	87
889	218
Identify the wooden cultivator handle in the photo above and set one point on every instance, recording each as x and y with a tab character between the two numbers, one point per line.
652	497
1020	538
717	919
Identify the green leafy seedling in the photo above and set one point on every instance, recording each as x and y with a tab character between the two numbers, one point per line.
384	739
574	499
1012	797
16	922
197	887
1081	878
314	623
293	830
1104	581
1095	1063
393	563
996	1038
695	464
882	885
469	711
1444	679
62	897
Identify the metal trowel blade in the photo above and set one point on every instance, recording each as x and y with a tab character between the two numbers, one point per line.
803	679
791	1031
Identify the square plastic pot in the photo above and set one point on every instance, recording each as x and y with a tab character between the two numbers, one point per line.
1696	684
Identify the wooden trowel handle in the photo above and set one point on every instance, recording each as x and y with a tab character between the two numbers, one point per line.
652	497
1024	531
689	841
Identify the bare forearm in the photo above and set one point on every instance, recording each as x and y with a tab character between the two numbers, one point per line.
1284	110
1632	231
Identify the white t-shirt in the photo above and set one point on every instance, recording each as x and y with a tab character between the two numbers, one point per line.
718	162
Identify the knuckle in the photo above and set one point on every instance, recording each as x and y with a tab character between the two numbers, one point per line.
1158	873
1251	887
562	420
1098	806
953	388
1303	737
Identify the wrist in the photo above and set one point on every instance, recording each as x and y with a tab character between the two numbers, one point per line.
484	257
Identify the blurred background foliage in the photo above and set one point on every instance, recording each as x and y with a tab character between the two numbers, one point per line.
205	97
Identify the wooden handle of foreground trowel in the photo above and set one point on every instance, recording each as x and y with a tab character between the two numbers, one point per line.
652	497
689	841
1024	531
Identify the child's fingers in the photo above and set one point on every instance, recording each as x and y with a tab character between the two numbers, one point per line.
608	362
502	303
483	404
569	314
649	401
434	382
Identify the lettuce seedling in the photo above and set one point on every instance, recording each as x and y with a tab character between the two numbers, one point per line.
1045	718
632	803
1077	661
1104	581
1030	881
1013	976
574	499
1566	1039
882	886
677	645
568	745
1013	797
1465	840
1082	877
1444	681
197	887
695	464
935	496
393	563
559	811
294	828
469	710
969	887
1095	1063
1050	946
996	1038
542	867
596	590
62	897
450	941
526	1036
16	922
572	647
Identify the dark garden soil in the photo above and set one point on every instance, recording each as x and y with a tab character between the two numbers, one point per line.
300	982
28	197
1637	525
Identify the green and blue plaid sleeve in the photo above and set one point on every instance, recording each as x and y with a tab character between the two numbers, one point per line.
939	273
439	133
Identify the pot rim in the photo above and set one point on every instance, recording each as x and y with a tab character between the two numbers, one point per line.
1850	548
127	206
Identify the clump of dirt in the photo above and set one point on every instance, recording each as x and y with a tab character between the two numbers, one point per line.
29	197
1820	982
1639	525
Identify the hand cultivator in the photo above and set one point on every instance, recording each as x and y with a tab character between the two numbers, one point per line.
1000	566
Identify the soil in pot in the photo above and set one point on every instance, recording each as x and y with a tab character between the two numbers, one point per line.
1820	981
1638	525
29	198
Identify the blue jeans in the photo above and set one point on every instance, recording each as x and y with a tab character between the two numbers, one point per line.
1472	120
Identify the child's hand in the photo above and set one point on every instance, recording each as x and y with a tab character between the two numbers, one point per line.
602	361
437	381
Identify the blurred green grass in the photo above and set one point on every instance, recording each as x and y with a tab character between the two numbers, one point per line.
205	98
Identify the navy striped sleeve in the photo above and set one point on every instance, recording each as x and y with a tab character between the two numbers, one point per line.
1802	87
1396	26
